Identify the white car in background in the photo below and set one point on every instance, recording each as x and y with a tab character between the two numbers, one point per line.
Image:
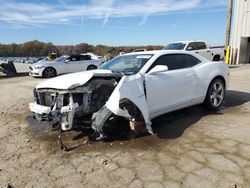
93	56
198	47
136	86
64	64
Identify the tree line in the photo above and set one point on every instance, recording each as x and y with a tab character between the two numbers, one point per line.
37	48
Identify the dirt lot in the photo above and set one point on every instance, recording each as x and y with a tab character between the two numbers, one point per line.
190	148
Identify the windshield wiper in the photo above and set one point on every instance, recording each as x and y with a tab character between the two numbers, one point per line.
116	71
124	73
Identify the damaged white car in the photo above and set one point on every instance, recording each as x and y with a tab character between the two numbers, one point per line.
137	86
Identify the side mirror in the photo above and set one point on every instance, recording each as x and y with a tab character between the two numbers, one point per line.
190	48
67	60
158	69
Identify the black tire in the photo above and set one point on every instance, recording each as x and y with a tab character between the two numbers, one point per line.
216	58
215	94
91	67
49	72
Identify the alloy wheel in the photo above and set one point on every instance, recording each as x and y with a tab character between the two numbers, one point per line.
217	94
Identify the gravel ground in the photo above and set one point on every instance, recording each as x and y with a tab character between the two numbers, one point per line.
190	148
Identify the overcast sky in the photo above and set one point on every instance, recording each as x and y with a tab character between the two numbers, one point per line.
113	22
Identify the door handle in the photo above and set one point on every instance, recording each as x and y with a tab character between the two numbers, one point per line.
196	52
208	51
191	75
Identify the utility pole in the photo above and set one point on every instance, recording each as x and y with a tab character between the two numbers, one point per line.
229	19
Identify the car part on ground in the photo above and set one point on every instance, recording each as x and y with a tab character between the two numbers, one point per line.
8	68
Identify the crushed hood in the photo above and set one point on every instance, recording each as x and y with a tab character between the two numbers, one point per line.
71	80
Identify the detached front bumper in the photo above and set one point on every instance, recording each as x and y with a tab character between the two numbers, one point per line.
36	72
42	113
56	113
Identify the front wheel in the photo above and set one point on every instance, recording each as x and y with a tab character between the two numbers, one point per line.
215	94
49	72
91	67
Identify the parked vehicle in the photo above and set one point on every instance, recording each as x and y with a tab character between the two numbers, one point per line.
62	65
199	47
139	50
93	56
136	86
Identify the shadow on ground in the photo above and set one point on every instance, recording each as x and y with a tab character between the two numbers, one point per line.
172	125
4	76
168	126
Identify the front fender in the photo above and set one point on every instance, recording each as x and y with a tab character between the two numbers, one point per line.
131	88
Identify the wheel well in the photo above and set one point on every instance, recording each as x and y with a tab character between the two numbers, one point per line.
51	68
216	56
217	77
132	109
221	78
92	65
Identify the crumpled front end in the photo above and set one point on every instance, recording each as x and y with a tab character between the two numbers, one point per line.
62	107
98	104
55	107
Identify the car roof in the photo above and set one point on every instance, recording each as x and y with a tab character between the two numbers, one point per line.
187	41
159	52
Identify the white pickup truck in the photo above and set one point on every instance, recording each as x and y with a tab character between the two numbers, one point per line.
199	47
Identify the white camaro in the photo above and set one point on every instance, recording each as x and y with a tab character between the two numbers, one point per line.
136	86
64	64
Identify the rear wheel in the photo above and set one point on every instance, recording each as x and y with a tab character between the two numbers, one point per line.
215	94
91	67
216	58
49	72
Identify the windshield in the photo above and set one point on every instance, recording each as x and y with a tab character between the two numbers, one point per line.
127	64
62	58
175	46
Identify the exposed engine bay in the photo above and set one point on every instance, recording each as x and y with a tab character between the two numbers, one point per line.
83	106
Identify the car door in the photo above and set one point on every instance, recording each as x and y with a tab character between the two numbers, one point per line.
203	50
85	61
73	64
198	48
175	87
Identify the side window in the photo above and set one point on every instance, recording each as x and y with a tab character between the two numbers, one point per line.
176	61
75	58
85	57
201	45
191	60
192	46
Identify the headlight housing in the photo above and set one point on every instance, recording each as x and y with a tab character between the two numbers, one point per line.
39	67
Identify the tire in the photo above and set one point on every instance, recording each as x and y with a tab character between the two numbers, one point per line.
49	72
215	94
91	67
216	58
